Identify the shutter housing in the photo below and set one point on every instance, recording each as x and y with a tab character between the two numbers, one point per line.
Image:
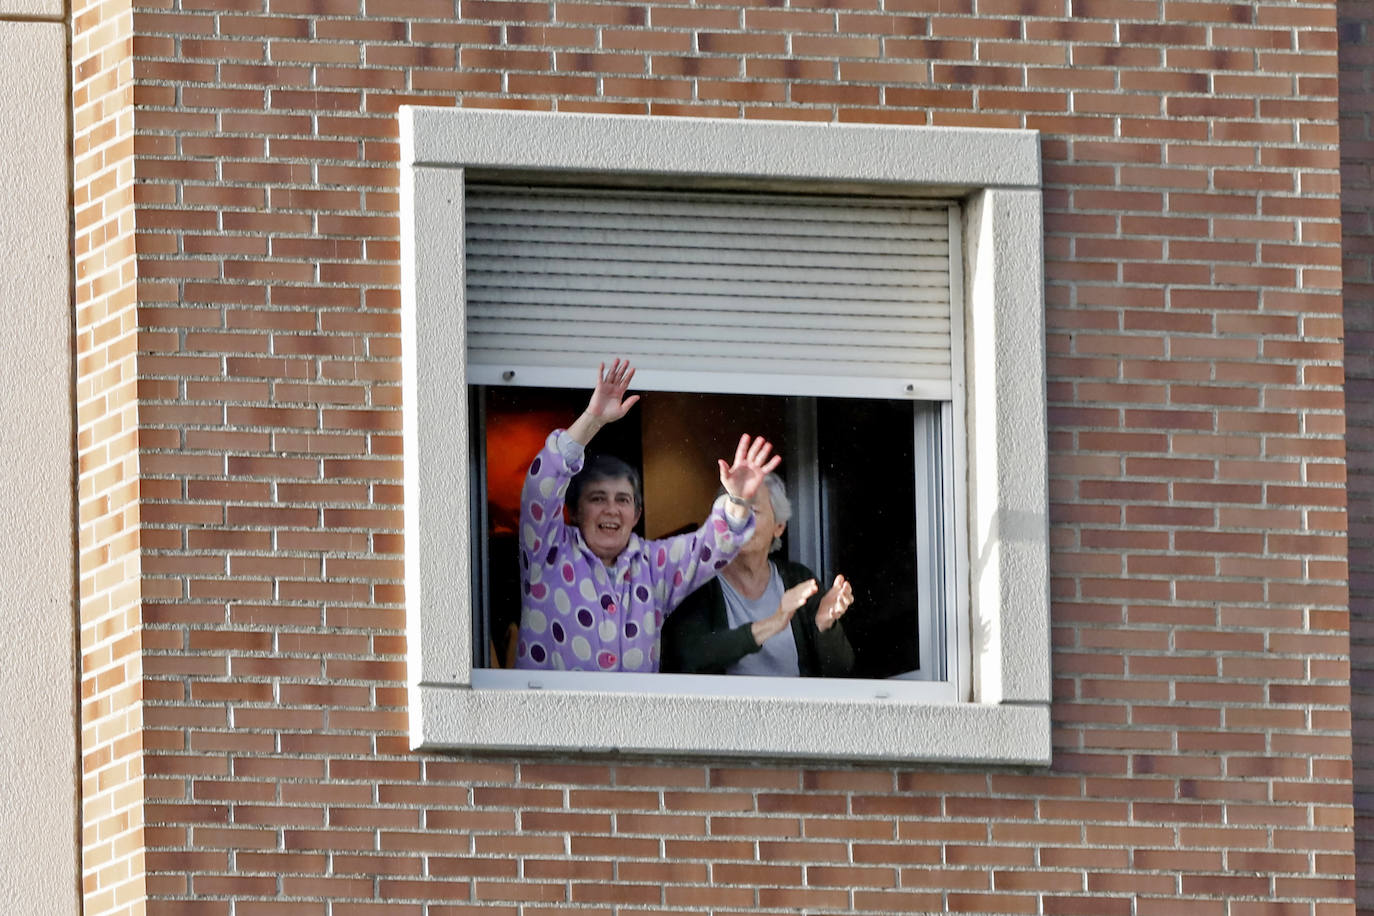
772	294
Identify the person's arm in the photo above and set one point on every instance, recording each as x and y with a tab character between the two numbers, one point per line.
694	644
680	565
696	638
834	654
819	653
541	537
541	496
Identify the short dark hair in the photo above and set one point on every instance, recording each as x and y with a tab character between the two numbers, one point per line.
599	468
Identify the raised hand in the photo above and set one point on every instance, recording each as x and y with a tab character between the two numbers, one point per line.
834	603
779	620
743	478
608	402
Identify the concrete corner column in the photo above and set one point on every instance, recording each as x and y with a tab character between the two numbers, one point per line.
38	797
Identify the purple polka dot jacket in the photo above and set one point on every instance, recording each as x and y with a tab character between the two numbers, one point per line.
578	614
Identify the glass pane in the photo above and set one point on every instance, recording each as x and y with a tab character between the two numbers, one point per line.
848	462
517	421
868	504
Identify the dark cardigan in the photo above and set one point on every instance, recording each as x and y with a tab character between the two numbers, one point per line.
697	638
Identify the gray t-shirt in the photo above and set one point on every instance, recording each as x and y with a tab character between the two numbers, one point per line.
778	655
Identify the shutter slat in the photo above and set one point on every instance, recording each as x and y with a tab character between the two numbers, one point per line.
657	243
936	320
647	286
581	205
921	302
801	287
927	335
916	272
748	352
742	226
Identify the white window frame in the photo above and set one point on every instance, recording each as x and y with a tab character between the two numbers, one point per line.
996	708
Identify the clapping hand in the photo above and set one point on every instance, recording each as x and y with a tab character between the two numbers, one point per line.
834	603
776	622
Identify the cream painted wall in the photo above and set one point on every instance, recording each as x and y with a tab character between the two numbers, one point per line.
38	790
48	9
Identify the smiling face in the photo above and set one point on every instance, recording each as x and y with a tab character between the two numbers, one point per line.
606	514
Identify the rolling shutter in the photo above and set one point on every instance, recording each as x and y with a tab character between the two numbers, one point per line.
710	291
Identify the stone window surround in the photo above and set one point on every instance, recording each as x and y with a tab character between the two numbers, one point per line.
995	176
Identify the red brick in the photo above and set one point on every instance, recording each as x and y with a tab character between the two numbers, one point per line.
1150	309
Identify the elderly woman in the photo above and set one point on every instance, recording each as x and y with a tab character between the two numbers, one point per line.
594	594
762	617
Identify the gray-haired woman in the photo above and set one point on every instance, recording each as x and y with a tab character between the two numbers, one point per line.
761	616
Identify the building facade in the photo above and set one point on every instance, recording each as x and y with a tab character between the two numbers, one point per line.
240	688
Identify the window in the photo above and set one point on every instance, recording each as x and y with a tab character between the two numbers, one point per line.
485	329
857	481
819	299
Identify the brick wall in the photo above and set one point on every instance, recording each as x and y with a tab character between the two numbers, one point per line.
107	439
1203	749
1357	201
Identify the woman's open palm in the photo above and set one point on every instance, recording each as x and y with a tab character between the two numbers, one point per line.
608	402
743	478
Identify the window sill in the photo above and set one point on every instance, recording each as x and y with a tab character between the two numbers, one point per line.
600	720
708	685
